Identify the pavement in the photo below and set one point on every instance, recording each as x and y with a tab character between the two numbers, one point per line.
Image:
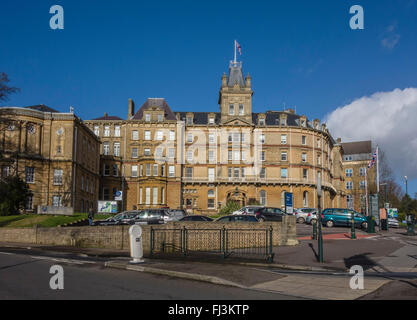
384	256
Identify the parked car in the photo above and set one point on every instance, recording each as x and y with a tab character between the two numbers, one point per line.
237	218
123	218
393	223
301	214
151	216
196	218
342	217
175	215
312	217
269	214
247	210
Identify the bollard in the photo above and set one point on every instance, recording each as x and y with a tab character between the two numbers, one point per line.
136	246
315	231
410	225
353	232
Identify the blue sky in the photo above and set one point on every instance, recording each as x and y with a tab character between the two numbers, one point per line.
299	53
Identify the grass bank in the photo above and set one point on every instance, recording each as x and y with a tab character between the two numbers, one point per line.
44	221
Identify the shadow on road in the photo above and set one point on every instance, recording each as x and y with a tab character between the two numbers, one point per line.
314	251
362	260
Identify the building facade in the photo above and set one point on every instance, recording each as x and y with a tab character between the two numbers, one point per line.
199	161
54	153
157	157
358	178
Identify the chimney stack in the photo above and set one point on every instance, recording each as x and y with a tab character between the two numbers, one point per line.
131	111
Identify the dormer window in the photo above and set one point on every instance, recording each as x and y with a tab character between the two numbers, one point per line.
147	117
211	120
262	122
283	121
160	117
189	121
303	123
241	110
231	110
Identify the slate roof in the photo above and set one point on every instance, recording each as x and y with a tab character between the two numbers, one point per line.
235	76
155	102
357	147
110	118
200	117
43	108
272	118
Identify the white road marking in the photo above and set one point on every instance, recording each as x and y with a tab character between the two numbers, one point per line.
63	260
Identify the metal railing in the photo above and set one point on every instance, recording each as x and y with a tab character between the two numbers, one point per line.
226	242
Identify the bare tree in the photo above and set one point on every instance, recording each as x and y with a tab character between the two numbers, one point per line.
394	191
5	90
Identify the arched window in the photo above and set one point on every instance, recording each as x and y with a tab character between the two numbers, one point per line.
262	197
210	193
305	199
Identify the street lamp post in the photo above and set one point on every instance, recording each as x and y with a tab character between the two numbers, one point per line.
385	207
319	222
406	194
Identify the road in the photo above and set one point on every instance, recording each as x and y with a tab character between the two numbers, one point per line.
24	276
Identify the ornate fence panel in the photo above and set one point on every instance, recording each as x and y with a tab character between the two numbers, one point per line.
226	242
167	241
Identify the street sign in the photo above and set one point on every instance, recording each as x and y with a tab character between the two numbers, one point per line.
374	207
289	208
118	195
107	207
393	213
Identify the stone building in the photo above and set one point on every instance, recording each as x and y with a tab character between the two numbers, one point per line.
55	153
356	157
201	160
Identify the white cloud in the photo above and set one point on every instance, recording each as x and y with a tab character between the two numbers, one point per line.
390	37
389	119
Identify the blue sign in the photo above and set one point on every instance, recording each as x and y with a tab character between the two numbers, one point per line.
289	207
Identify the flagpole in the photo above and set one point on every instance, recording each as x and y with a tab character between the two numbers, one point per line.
235	52
366	189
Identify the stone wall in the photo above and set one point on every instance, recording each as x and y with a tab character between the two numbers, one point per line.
117	237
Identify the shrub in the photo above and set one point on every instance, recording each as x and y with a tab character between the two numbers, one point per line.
230	207
13	195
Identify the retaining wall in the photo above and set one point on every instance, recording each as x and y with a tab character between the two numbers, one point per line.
117	237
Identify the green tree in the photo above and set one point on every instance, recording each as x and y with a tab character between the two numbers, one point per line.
408	205
13	195
231	206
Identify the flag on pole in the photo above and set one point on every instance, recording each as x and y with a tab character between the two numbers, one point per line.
372	162
239	48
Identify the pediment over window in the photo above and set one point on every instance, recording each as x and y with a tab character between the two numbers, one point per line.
237	122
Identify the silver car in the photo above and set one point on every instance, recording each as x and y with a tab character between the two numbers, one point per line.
393	223
311	217
301	214
247	210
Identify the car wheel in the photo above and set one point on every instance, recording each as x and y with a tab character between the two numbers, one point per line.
313	221
301	220
364	225
330	224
